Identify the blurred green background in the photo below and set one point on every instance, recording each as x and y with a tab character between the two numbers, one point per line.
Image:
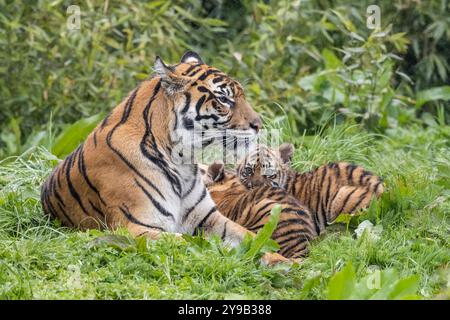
300	61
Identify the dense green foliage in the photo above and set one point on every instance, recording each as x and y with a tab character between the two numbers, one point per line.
302	63
309	59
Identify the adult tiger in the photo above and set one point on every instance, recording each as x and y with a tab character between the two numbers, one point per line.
127	172
329	190
297	225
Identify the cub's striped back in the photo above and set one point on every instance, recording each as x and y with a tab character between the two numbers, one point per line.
251	209
328	190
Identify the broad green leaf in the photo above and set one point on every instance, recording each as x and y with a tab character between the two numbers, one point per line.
262	238
74	134
437	93
405	287
331	60
342	284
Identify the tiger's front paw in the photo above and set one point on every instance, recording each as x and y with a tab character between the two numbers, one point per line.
271	259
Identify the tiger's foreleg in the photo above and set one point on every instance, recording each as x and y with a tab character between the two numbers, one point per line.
153	234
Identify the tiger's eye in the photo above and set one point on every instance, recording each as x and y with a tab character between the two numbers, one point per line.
223	100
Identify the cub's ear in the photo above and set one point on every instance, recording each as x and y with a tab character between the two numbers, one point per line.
216	171
191	57
286	152
170	80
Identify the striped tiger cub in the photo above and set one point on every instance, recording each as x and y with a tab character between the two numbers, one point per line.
328	190
127	173
251	209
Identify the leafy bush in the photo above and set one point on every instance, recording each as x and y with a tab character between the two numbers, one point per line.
304	59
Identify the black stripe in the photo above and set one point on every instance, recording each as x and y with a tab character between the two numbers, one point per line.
346	200
159	158
338	171
299	178
122	157
95	139
205	74
290	180
217	79
199	104
51	208
188	212
224	233
58	177
128	106
327	194
131	218
210	212
60	202
187	103
72	190
289	221
317	224
285	251
192	67
155	203
319	196
361	198
204	89
82	168
364	174
61	209
193	73
290	236
261	216
194	182
376	186
96	209
350	172
293	210
147	142
105	121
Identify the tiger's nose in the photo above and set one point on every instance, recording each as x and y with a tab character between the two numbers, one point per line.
256	124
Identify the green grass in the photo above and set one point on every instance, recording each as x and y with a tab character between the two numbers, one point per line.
40	259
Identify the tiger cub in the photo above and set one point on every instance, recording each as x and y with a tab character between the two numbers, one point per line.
251	209
328	190
127	173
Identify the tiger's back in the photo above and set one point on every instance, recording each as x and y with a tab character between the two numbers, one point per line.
82	190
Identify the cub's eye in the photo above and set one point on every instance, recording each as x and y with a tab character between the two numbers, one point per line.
247	171
273	176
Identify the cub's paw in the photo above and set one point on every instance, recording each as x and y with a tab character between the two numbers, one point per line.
270	259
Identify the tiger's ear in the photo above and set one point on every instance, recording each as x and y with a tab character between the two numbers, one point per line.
286	152
191	57
216	171
170	80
